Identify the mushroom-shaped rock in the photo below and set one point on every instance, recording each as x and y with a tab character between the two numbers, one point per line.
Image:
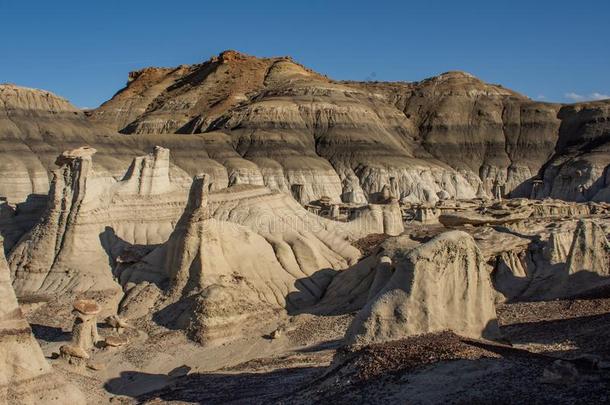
84	329
86	307
442	284
116	341
73	351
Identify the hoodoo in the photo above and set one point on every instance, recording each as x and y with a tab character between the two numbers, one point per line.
90	219
242	253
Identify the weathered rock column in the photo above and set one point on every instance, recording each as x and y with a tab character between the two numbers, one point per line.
84	330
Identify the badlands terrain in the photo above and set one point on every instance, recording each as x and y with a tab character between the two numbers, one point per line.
246	230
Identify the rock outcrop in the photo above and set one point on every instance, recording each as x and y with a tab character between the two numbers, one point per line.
25	376
90	219
374	131
241	254
442	284
571	259
273	122
579	169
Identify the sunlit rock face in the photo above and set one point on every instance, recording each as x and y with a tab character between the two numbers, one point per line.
89	219
273	122
298	127
442	284
25	375
245	253
570	259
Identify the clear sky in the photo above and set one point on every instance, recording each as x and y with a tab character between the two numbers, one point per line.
82	50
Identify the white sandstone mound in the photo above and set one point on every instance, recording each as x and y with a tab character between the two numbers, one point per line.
90	218
239	254
25	376
574	261
442	284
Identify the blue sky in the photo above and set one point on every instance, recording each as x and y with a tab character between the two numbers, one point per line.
82	50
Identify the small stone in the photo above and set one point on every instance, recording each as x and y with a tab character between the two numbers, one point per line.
116	341
73	351
560	372
96	366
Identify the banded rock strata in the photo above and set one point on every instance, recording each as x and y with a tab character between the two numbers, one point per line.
273	122
274	108
90	218
25	376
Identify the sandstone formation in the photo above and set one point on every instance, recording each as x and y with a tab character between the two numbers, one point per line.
290	207
90	219
84	329
273	122
242	254
25	376
571	259
498	137
442	284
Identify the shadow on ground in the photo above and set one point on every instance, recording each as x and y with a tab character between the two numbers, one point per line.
50	333
216	388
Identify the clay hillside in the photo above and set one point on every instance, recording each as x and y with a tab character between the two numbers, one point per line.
272	121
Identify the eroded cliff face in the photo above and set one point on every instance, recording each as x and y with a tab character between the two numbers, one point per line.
579	169
90	219
239	255
298	128
272	122
25	375
166	100
347	139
